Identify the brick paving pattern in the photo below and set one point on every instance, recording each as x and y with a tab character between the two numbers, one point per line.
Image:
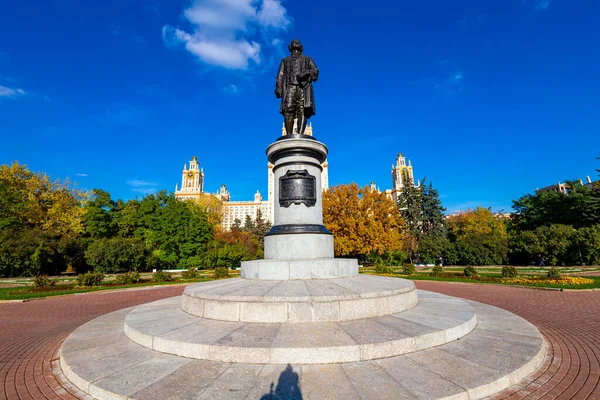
31	334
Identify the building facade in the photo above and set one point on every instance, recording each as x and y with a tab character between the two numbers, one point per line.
564	187
192	181
192	187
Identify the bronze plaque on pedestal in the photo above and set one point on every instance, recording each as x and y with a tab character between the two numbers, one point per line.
297	187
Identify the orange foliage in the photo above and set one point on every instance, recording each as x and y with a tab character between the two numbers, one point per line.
362	221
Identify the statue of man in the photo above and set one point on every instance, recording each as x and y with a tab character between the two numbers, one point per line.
294	87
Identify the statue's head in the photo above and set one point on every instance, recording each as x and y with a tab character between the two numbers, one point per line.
295	45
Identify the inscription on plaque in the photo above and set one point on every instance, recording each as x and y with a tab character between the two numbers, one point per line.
297	187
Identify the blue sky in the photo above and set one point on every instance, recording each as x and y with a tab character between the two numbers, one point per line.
489	99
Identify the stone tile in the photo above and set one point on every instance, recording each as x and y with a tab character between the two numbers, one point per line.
347	267
251	335
256	291
374	383
324	268
371	331
205	331
100	367
274	270
465	373
409	328
312	335
300	269
420	381
250	269
233	384
279	381
300	312
129	381
186	383
222	310
325	311
289	289
326	381
229	286
263	312
498	355
192	305
327	289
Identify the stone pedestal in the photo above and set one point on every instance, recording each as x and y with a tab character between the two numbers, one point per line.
298	230
298	246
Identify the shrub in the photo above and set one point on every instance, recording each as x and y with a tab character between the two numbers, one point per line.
128	278
191	273
382	269
408	269
161	276
90	279
470	271
553	273
221	272
41	281
509	271
437	271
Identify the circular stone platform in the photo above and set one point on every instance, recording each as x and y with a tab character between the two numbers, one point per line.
299	301
503	348
164	327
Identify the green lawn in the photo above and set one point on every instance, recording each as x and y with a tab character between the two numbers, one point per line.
483	279
28	292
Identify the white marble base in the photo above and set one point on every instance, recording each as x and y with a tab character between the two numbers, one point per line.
289	269
299	301
299	246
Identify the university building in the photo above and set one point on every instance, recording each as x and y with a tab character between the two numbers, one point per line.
192	187
564	187
401	169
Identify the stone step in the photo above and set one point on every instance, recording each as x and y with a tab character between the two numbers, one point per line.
299	301
164	327
100	360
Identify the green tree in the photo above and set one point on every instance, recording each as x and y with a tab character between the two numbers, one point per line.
115	255
479	237
98	217
433	220
410	205
37	216
179	230
257	227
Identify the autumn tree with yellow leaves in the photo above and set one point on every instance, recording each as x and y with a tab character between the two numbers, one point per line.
363	221
39	220
479	237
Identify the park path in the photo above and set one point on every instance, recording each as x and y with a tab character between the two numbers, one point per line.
31	334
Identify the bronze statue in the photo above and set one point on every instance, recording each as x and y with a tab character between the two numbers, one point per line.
294	87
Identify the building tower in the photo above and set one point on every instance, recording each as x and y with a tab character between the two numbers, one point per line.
400	170
192	181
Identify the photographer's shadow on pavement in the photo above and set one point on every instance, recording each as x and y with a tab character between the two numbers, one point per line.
287	387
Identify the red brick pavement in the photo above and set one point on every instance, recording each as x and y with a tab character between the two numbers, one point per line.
31	333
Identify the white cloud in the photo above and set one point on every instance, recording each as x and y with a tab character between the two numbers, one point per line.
226	32
542	4
451	84
273	14
458	77
231	89
11	93
81	174
142	186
